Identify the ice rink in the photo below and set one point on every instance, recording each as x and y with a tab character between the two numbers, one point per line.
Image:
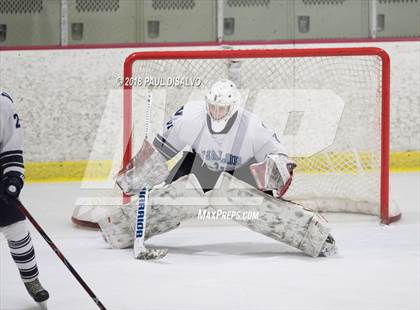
224	267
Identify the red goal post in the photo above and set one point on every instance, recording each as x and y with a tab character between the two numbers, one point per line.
294	59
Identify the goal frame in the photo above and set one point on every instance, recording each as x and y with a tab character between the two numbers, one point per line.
385	216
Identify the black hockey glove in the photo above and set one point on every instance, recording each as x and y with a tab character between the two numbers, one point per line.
12	184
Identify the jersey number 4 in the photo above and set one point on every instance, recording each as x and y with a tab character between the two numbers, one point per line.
177	114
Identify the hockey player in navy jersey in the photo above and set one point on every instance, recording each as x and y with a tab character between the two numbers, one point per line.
226	142
12	221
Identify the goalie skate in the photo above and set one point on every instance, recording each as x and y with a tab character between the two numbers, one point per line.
329	248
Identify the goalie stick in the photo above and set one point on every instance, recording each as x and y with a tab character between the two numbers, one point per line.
60	255
139	248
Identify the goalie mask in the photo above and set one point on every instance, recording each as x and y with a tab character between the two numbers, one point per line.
222	101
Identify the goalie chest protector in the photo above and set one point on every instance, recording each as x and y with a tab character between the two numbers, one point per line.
244	138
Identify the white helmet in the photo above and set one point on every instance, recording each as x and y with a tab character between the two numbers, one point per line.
222	101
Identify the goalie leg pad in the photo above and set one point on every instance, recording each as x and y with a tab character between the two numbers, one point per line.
167	207
116	228
174	203
301	230
315	237
279	219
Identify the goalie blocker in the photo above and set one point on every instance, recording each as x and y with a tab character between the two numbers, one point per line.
275	174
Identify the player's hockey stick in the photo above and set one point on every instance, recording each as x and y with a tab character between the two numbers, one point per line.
60	255
140	250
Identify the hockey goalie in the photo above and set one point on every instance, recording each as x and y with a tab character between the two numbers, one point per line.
235	163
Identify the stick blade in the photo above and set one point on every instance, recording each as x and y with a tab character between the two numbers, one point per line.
149	254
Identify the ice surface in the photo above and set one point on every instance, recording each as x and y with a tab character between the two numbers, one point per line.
224	267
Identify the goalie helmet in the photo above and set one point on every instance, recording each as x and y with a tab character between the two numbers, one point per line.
222	101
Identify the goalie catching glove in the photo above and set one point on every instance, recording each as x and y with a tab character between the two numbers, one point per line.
147	169
274	173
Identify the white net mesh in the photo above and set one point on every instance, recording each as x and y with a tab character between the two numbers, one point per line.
325	110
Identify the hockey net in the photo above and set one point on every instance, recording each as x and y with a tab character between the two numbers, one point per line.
329	107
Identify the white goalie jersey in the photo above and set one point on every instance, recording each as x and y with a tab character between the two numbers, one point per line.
244	138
